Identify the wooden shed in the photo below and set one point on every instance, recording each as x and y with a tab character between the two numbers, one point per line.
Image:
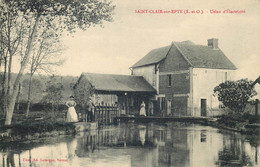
124	91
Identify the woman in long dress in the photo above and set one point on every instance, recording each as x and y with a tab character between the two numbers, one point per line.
142	109
71	114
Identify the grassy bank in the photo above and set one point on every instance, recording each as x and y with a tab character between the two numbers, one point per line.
39	124
238	122
35	116
34	131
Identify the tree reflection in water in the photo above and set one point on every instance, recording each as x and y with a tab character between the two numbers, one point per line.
9	159
234	153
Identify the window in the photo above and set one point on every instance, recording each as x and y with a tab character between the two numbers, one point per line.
169	80
225	76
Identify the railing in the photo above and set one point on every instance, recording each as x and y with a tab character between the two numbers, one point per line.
105	114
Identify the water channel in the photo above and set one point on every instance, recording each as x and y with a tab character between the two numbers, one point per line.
139	145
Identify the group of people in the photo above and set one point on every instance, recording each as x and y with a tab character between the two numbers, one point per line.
72	115
88	115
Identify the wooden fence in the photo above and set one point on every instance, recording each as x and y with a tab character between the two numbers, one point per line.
105	114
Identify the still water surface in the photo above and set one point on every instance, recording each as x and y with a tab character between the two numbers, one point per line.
139	145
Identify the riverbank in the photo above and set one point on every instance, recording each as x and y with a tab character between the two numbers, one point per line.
244	128
246	124
34	131
27	132
39	124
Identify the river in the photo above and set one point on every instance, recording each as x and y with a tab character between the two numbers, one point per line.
138	145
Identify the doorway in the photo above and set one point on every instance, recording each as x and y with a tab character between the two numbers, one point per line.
203	104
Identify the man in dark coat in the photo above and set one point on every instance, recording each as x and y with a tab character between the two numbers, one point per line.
91	110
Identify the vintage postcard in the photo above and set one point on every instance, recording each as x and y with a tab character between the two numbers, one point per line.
133	83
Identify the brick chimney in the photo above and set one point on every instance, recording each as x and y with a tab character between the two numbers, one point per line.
213	43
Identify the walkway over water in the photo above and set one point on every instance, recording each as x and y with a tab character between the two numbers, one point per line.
164	119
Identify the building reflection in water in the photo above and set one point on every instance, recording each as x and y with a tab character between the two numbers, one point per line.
146	145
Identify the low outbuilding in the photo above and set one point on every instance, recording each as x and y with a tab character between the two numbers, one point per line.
124	91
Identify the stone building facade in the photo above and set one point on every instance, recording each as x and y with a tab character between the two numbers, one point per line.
184	75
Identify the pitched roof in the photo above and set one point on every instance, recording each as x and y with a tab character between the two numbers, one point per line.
204	56
154	56
118	83
197	56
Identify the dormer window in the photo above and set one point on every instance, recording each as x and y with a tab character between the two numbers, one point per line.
169	77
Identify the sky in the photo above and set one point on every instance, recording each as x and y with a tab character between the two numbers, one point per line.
121	43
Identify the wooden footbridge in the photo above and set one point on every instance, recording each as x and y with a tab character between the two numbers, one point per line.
163	119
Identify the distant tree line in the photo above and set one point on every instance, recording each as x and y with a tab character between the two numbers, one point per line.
51	89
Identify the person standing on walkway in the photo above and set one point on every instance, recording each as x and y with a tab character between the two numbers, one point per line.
71	114
142	109
150	108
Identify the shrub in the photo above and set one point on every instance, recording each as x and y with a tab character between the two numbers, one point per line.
235	94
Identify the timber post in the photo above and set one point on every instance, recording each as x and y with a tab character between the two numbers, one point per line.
256	106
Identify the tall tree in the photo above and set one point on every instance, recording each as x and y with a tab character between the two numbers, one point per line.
10	37
33	16
46	54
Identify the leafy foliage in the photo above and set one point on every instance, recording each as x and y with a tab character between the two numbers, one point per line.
36	89
235	94
53	92
83	90
72	13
